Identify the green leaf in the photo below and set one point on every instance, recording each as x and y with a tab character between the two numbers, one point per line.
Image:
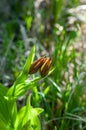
23	87
27	117
4	114
23	75
7	110
3	90
57	7
3	126
28	21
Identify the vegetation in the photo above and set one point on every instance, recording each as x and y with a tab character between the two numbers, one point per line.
49	98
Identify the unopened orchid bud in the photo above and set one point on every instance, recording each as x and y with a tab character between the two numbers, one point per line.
43	64
35	66
45	67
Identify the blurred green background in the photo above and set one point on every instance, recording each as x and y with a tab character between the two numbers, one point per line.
58	29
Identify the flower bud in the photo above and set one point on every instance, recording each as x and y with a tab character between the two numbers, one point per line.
35	66
45	67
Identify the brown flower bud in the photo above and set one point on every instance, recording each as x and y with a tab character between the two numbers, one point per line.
35	66
45	67
43	64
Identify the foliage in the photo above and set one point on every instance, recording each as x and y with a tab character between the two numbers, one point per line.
27	116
